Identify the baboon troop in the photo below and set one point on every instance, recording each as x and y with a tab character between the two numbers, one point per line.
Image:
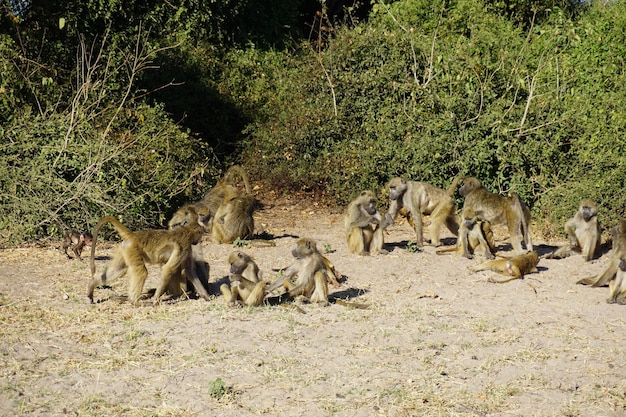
226	212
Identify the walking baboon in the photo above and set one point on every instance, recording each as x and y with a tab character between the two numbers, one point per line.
516	266
498	209
421	198
76	241
245	284
233	219
583	232
618	253
169	248
364	225
306	277
479	235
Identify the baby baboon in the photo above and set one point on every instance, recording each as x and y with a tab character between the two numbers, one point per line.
364	225
479	235
516	266
245	284
77	241
420	199
619	253
306	277
169	248
583	231
498	209
234	220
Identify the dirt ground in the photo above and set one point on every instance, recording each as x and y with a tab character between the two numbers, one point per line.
437	340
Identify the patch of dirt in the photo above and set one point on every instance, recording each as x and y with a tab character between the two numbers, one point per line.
436	339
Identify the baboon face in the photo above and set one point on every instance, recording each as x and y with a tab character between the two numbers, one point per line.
588	213
370	206
304	248
238	263
397	187
469	185
622	264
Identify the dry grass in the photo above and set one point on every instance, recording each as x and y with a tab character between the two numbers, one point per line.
435	341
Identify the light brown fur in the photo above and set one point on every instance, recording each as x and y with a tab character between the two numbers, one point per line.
169	248
76	241
245	284
610	271
364	225
498	209
583	232
421	198
516	266
479	236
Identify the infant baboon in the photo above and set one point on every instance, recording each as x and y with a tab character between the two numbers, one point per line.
245	284
479	235
76	241
516	266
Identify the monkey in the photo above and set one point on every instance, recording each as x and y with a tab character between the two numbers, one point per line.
233	219
421	198
225	189
169	248
364	225
245	284
497	209
77	241
479	234
617	286
583	231
619	252
306	277
187	215
516	266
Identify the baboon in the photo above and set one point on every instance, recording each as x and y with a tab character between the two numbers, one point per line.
233	219
497	209
187	215
169	248
617	286
421	198
225	189
306	277
77	241
516	266
583	231
245	284
619	253
479	235
364	225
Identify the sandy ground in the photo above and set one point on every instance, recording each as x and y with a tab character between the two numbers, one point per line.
437	340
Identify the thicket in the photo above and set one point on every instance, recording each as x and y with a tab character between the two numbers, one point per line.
132	108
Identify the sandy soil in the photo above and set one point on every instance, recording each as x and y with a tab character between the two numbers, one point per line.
437	339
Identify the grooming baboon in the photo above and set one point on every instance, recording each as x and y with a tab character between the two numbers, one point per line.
364	225
306	277
226	188
497	209
233	219
583	232
77	241
617	286
169	248
479	235
516	266
245	284
420	199
618	253
187	214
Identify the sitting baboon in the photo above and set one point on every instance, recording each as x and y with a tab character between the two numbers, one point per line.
76	241
497	209
617	286
169	248
233	219
245	284
583	232
364	225
479	235
306	277
618	253
421	198
516	266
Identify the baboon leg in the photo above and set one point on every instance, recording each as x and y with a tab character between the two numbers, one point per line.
228	295
137	278
376	244
320	294
356	241
257	295
515	231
